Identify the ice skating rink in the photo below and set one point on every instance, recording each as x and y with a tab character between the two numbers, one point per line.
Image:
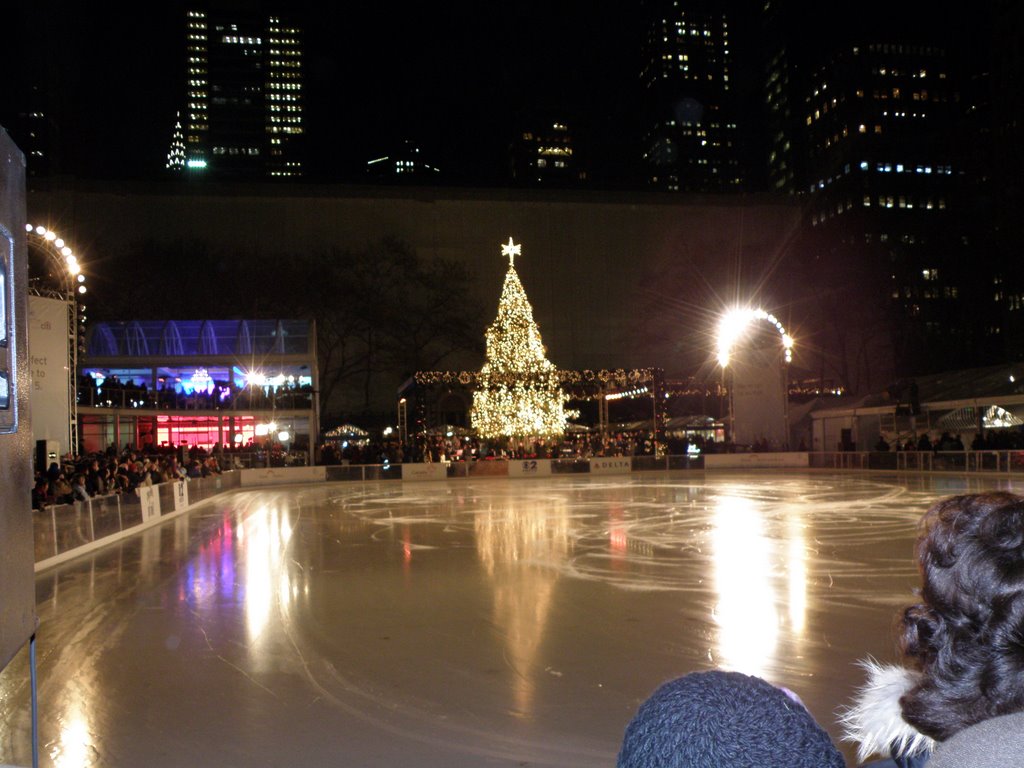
492	622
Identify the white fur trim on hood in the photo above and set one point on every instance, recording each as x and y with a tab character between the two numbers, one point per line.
875	721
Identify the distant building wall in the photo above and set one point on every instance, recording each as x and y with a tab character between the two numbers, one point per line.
615	279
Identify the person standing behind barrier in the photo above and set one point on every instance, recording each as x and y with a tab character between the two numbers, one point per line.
964	643
94	481
78	490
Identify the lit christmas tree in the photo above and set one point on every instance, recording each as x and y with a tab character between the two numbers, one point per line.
518	392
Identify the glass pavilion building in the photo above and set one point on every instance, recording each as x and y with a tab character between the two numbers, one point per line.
158	384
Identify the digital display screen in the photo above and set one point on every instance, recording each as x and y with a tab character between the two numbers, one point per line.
5	391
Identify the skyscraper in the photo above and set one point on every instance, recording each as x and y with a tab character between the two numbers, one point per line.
866	120
244	111
691	138
544	152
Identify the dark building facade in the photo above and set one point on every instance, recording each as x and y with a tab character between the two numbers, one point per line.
872	123
691	140
404	163
244	87
617	280
544	152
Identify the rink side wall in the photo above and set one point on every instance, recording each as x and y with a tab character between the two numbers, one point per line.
66	531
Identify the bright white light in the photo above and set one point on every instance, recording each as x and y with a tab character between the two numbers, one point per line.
730	328
29	227
261	430
40	230
388	431
734	323
81	289
196	163
50	235
283	436
81	278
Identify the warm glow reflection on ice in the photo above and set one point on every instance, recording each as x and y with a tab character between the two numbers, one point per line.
796	565
74	748
523	548
748	623
267	532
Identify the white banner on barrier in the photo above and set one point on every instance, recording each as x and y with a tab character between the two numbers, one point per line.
425	471
180	495
617	465
529	468
279	475
150	498
754	460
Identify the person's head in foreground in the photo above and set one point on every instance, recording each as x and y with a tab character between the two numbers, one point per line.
964	641
719	719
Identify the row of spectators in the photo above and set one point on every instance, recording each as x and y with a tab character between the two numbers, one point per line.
437	448
993	440
83	478
113	393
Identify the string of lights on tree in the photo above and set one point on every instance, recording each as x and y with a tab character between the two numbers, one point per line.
518	392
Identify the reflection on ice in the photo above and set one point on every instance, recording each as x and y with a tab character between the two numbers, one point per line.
523	549
482	622
796	566
74	746
745	610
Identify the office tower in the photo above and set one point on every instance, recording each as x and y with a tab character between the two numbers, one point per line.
244	97
545	153
868	120
405	163
691	141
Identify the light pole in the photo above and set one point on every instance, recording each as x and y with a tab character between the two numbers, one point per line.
731	327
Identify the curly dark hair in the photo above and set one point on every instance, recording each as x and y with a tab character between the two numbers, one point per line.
967	633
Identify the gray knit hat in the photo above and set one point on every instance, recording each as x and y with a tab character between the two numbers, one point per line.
723	719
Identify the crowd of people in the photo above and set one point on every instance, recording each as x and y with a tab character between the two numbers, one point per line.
990	440
219	395
80	478
440	448
958	702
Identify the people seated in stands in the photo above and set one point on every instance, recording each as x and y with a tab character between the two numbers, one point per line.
963	643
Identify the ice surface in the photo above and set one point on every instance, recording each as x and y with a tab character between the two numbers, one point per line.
474	623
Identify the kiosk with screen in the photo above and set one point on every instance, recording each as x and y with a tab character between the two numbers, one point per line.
17	577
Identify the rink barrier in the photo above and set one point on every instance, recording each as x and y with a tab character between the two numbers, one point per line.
64	531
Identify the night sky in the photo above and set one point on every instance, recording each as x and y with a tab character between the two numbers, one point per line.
452	77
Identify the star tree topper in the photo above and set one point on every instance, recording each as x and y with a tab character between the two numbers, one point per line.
511	250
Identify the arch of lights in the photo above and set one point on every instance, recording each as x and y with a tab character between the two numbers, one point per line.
64	257
734	324
72	286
